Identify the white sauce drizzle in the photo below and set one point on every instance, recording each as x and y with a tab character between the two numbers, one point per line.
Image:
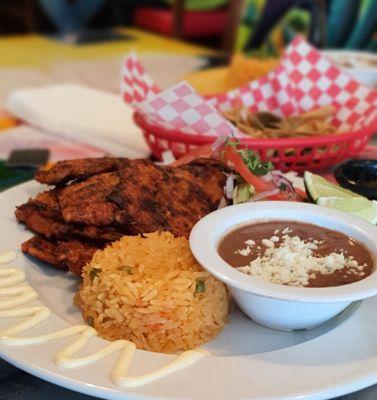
17	292
7	257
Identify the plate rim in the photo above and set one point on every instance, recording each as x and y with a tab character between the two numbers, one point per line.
347	385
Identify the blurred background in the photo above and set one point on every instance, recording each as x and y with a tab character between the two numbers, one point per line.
51	37
49	33
264	25
216	45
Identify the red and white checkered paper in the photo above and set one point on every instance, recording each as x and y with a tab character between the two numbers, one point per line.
181	108
136	85
303	80
178	108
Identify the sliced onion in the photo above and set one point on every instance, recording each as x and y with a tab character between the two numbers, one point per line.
263	195
216	145
229	186
222	203
278	178
267	178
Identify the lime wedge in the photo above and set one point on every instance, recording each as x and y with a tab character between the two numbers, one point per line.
326	194
359	206
317	186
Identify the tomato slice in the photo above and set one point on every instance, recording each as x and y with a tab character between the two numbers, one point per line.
233	157
301	193
278	196
199	152
236	160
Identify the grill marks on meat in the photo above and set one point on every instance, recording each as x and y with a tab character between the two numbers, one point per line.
85	202
65	171
43	250
139	183
50	228
66	255
75	254
48	203
108	198
35	218
42	215
166	198
196	194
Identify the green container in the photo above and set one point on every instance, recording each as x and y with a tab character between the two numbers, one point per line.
13	176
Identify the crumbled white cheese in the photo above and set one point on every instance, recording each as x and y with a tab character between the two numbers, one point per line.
246	250
243	252
268	243
243	269
292	262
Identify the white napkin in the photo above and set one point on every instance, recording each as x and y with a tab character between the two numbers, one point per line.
81	114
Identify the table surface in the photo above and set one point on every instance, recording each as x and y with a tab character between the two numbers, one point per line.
40	51
34	60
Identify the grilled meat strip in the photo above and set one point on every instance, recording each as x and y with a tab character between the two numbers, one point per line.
198	192
166	198
66	255
65	171
43	216
118	196
43	250
75	254
35	218
136	195
48	203
85	202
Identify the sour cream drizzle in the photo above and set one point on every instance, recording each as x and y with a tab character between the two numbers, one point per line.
17	293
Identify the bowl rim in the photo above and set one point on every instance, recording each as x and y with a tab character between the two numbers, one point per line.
333	53
206	234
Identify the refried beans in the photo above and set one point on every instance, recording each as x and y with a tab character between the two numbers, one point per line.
245	244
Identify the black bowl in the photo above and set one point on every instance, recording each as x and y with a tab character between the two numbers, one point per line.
360	176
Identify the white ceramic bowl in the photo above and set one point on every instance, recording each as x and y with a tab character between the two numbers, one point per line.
278	306
361	65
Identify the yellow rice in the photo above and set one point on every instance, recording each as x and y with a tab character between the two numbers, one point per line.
150	290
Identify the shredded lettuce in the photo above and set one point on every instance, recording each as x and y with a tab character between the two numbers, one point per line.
251	159
253	162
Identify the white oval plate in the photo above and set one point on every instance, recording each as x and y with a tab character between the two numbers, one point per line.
247	362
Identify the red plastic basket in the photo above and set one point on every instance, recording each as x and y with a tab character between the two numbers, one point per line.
294	154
